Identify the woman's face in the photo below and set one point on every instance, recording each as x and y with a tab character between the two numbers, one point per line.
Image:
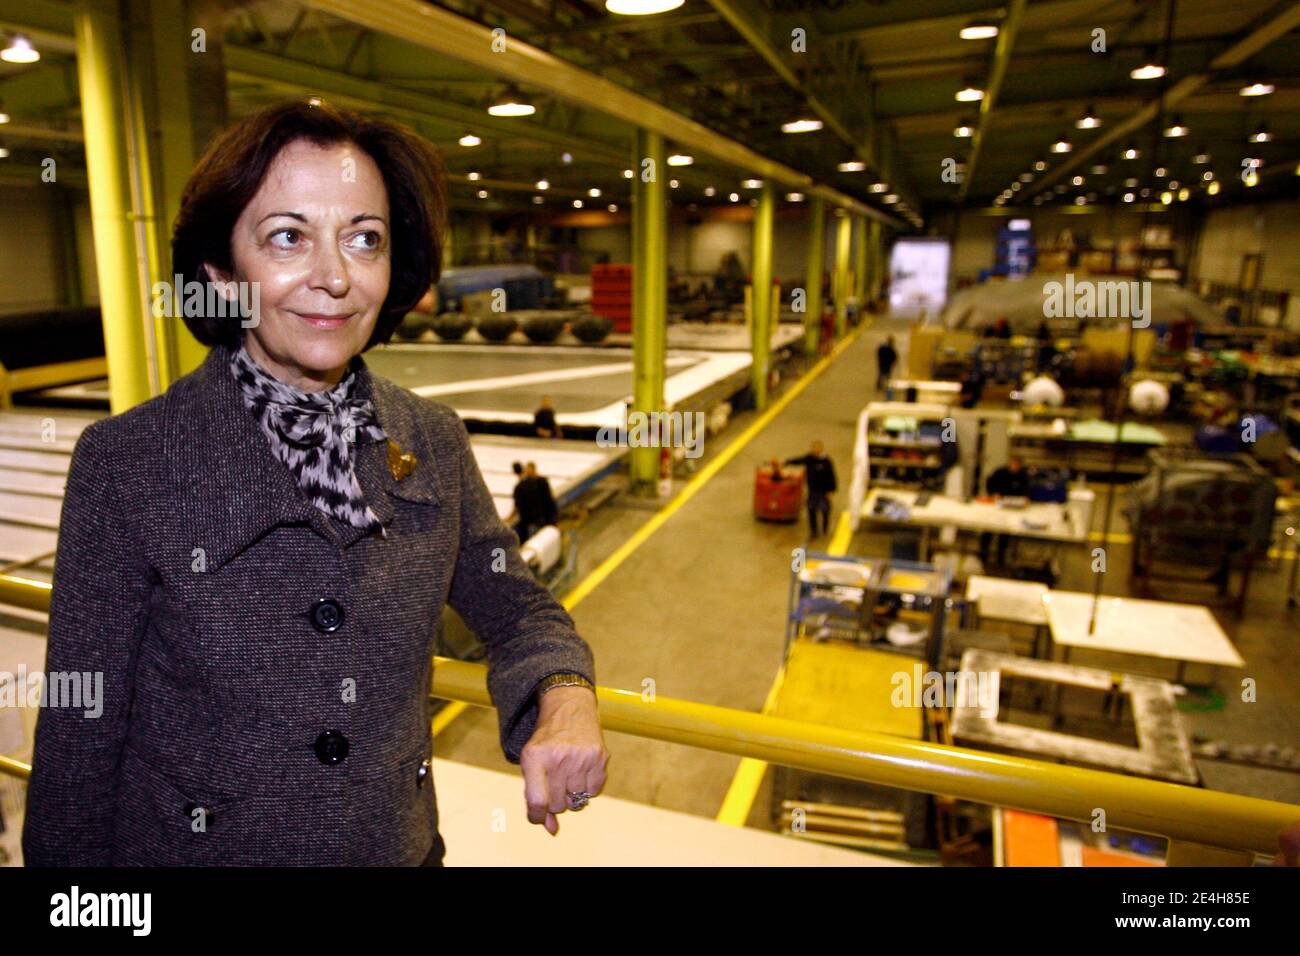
316	240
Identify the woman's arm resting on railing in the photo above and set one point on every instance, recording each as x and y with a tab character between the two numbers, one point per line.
528	636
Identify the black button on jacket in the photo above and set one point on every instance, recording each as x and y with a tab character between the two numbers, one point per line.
190	571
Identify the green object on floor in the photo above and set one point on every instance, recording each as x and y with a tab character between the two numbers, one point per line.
1201	700
1134	433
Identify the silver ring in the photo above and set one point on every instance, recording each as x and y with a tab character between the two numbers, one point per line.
578	799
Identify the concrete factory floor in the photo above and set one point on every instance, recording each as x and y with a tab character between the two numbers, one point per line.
699	609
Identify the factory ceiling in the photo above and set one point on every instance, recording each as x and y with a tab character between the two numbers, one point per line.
720	78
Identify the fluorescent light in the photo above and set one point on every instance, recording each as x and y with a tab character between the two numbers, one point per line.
4	117
752	183
1261	135
512	103
482	194
1166	197
709	191
1100	169
1207	176
969	94
469	140
1202	158
734	197
852	166
1077	181
1256	89
1213	188
1160	172
20	50
613	207
627	174
680	159
1148	71
1128	197
1062	145
566	158
1026	177
538	200
805	124
543	184
1176	128
1183	194
879	187
794	197
641	8
593	192
978	30
889	198
963	130
1039	166
673	184
577	204
1089	119
1132	152
473	177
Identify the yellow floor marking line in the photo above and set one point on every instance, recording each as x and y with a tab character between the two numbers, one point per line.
608	566
748	778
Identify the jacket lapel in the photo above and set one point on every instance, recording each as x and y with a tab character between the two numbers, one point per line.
232	488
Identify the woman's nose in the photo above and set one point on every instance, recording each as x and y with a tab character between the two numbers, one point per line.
329	271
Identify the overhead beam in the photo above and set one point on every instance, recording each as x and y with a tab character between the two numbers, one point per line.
462	39
1001	58
1232	55
753	22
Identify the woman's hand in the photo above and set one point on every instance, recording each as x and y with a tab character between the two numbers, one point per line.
565	753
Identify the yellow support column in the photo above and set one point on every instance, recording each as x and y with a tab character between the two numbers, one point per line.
649	294
118	260
812	321
860	261
761	327
843	237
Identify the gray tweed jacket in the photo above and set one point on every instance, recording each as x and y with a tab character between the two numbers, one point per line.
266	668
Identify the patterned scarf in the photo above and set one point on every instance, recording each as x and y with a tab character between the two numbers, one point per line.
313	434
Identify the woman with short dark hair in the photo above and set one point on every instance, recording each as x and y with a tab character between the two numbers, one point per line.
257	561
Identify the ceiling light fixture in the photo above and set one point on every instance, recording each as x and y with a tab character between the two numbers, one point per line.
641	8
804	124
979	30
511	102
20	50
1256	89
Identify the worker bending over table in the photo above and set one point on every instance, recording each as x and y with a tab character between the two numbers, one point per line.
1009	481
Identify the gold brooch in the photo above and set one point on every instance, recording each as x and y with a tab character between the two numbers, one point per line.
400	463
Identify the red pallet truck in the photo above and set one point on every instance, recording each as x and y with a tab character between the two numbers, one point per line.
778	492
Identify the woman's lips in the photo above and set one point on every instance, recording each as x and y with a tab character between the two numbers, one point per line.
324	320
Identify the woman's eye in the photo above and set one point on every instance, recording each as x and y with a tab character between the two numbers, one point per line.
285	238
368	240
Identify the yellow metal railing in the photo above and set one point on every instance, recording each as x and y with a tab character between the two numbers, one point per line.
1204	827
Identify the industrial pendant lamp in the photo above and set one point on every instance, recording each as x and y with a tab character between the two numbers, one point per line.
511	102
20	50
641	8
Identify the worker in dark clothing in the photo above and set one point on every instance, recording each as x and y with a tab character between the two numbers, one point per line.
1046	347
534	502
544	423
1009	481
886	358
819	472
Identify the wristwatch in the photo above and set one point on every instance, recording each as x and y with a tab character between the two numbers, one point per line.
562	680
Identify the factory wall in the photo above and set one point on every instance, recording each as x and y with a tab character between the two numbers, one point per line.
31	249
1235	231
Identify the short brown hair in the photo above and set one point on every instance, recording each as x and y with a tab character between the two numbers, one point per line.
233	167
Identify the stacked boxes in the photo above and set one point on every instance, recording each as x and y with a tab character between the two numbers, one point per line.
611	294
